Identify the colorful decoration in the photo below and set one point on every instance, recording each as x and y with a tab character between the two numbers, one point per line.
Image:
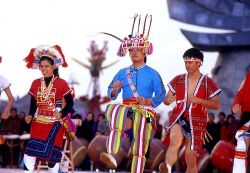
54	52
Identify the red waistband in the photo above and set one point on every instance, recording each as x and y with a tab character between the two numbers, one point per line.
131	100
45	112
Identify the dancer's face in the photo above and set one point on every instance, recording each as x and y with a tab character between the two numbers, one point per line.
46	68
192	66
137	55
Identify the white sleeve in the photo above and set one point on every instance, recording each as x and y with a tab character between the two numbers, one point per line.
4	83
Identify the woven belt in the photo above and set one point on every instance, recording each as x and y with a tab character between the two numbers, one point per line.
45	119
129	101
150	112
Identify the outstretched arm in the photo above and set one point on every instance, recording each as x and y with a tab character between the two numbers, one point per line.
10	102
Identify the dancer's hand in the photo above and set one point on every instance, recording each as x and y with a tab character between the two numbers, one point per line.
117	85
236	109
4	114
170	98
144	101
58	115
194	99
28	118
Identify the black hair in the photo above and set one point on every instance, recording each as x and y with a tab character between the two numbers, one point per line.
223	114
211	114
56	72
229	116
13	109
145	59
43	58
194	52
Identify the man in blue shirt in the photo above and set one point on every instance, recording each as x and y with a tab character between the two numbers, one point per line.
142	90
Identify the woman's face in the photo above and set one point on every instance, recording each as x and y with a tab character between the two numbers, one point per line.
46	68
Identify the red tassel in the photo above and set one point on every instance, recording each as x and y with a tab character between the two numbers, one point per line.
30	59
60	51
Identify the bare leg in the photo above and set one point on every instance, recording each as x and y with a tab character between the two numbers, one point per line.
190	156
176	138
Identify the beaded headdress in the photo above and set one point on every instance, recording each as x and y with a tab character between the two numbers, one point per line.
137	39
54	52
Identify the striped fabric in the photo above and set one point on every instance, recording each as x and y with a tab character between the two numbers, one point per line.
116	115
240	162
240	154
143	132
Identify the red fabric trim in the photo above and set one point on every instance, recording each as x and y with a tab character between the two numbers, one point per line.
30	59
131	100
64	63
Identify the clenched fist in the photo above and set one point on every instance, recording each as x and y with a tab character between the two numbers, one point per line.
28	119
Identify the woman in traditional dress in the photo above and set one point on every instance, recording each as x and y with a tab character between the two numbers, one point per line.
46	111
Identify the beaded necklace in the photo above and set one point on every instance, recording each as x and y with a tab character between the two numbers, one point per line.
45	91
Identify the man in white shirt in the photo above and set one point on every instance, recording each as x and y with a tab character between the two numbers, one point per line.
5	86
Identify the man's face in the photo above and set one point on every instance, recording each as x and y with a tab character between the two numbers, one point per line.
137	54
13	113
192	66
221	117
210	118
90	117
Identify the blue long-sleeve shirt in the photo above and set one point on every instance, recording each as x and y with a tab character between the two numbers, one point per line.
147	81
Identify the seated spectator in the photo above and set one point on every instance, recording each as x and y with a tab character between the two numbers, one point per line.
227	131
12	126
102	125
87	131
221	121
24	127
88	128
213	132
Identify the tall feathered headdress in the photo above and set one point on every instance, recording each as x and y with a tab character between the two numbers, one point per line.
137	39
54	52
